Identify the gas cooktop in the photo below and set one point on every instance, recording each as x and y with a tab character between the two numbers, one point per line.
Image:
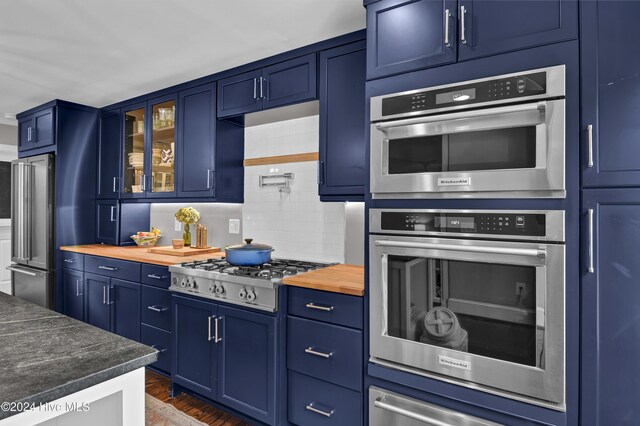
252	286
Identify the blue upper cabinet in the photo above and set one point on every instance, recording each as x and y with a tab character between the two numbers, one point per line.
247	354
196	156
107	221
289	82
490	27
281	84
36	130
239	94
108	172
405	35
610	306
342	165
610	91
134	157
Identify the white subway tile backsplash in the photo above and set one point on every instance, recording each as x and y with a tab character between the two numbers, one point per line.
297	224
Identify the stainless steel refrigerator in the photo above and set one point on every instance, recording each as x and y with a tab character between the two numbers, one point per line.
32	243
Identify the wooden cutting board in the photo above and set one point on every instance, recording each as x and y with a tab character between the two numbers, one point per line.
185	251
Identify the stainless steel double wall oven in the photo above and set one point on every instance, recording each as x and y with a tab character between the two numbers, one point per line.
476	297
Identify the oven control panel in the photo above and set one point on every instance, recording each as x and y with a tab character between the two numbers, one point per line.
504	88
525	224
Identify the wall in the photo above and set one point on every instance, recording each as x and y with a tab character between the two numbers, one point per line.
8	152
296	224
214	215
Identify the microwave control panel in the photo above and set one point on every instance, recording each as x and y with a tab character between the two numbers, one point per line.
506	224
512	87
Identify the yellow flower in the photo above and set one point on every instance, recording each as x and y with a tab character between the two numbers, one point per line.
187	215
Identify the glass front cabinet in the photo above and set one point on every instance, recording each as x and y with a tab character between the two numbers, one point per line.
149	149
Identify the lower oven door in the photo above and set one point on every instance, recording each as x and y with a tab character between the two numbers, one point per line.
506	151
486	312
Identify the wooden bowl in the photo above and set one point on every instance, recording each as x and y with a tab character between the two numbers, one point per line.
177	244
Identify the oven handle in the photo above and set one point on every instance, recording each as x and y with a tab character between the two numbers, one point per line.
540	106
379	403
476	249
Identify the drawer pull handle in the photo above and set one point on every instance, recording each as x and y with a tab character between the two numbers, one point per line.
70	260
160	349
157	277
108	268
310	407
319	307
312	351
157	308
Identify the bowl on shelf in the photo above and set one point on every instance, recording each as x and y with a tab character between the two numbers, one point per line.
146	240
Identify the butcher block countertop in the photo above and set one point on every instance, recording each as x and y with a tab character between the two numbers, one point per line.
345	279
137	254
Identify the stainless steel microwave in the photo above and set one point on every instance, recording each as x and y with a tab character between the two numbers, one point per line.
498	137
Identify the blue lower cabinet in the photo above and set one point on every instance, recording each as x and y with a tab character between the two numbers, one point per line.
324	351
247	362
73	291
98	312
340	309
195	356
610	307
160	340
313	402
156	307
124	298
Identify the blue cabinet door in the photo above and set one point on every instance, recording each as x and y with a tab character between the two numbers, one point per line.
195	349
124	297
107	221
43	127
497	26
73	293
196	158
289	82
610	93
239	94
135	170
406	35
25	134
109	145
247	362
98	310
342	130
610	380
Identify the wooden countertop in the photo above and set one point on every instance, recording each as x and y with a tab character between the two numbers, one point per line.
345	279
137	254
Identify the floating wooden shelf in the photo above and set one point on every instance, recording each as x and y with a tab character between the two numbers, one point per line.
279	159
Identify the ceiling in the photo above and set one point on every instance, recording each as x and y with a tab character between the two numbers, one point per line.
100	52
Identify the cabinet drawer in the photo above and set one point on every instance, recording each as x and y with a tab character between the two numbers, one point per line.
115	268
156	307
335	308
325	351
72	260
340	406
160	340
158	276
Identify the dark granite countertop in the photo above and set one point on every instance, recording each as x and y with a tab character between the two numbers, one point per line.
45	355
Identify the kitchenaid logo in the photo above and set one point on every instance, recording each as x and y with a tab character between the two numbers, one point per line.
455	363
454	181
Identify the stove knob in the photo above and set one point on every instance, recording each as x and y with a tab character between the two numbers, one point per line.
211	288
243	294
192	284
251	296
175	280
219	290
183	283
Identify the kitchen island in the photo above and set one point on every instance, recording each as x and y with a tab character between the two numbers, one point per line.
56	370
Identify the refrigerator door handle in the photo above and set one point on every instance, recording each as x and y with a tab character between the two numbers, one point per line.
27	211
29	272
19	202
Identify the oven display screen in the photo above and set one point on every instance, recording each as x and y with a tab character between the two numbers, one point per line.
455	96
458	223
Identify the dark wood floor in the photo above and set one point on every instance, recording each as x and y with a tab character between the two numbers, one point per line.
159	386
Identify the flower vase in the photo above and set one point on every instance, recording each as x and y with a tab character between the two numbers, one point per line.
186	236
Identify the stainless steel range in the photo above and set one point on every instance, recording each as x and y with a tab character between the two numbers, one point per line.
252	286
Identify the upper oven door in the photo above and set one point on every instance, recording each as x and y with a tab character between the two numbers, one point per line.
488	312
507	151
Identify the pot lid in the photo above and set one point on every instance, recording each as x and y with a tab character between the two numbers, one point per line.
249	246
